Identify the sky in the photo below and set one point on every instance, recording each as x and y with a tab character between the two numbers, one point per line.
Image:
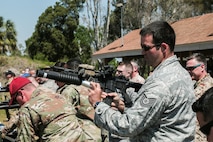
24	14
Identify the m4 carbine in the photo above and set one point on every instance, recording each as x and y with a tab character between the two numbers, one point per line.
106	78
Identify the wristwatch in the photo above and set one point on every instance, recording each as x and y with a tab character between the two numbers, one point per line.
96	104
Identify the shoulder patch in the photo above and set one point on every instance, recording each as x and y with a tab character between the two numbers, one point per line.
147	102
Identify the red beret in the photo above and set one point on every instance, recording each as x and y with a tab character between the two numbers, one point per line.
16	84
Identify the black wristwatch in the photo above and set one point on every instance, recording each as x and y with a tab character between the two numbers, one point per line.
96	104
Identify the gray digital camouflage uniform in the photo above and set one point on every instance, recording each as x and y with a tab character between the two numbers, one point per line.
50	117
160	113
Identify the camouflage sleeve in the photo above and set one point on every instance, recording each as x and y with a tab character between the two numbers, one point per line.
145	111
27	126
85	107
72	95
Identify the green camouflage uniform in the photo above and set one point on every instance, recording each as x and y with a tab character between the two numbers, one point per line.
50	117
70	94
78	96
200	87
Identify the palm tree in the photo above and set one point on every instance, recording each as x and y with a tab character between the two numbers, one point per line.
10	41
7	37
1	35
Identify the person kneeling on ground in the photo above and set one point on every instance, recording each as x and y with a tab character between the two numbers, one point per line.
48	116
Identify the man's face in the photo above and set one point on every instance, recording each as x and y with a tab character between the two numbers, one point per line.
195	69
152	55
121	70
204	123
8	76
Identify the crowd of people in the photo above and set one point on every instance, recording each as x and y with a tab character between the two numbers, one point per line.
164	109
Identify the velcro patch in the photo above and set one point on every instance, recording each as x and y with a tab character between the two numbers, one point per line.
147	102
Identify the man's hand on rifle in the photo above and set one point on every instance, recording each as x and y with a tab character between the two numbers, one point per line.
117	103
97	95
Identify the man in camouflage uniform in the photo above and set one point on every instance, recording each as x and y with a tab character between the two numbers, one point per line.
197	67
78	98
162	110
76	94
136	77
124	69
47	116
10	126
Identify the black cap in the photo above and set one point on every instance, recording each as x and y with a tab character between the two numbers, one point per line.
9	72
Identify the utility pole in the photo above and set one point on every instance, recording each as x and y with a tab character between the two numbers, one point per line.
121	5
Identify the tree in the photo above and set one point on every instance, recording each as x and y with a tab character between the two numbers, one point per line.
7	37
107	23
83	40
98	20
54	32
11	37
2	35
138	13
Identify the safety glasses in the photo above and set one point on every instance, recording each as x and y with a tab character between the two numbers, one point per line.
191	68
147	47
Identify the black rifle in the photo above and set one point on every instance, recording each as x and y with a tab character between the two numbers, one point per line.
105	76
5	105
4	89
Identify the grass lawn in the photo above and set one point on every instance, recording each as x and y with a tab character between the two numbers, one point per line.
4	96
3	117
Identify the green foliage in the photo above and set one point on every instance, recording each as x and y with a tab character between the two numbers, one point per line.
115	25
83	40
137	14
3	61
17	64
54	32
7	37
113	63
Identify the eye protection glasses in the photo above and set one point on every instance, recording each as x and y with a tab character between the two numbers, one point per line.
206	128
191	68
119	71
147	47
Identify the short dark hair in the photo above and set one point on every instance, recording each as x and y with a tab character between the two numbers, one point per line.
59	64
205	105
127	64
9	72
73	63
162	32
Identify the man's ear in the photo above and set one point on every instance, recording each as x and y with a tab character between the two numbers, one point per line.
164	47
20	93
203	67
